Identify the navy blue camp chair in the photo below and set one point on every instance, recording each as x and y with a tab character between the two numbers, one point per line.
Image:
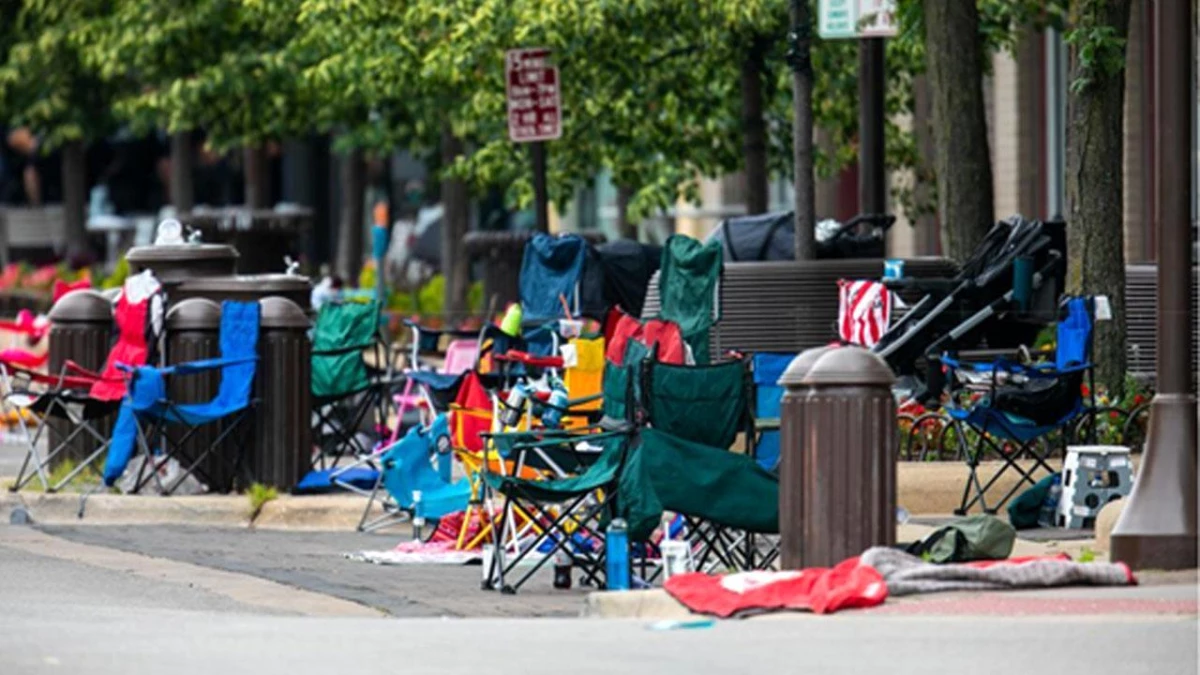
155	411
1024	408
551	268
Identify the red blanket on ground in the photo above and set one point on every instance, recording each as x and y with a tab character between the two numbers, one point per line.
867	580
819	590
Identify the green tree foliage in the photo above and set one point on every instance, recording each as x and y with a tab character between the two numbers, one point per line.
45	83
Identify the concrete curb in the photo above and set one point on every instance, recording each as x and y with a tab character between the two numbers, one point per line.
337	513
923	488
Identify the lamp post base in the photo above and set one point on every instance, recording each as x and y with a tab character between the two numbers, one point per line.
1157	529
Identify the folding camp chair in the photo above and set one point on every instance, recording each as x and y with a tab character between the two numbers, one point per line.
348	391
78	399
689	286
767	369
413	485
709	407
153	411
551	271
1022	408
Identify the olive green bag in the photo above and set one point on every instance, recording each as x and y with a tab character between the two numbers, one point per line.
979	537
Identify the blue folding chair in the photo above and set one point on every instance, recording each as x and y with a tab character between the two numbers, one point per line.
767	369
412	483
1023	408
151	408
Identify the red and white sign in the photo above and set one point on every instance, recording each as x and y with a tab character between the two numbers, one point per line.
534	109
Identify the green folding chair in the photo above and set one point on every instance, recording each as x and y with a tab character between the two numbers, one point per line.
350	393
689	288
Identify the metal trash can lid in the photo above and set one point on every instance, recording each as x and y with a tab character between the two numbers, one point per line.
84	305
180	253
794	374
279	312
194	314
849	366
258	284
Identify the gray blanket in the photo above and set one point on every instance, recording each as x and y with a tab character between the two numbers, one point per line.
906	574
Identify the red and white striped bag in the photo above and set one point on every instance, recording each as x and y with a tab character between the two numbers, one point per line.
864	311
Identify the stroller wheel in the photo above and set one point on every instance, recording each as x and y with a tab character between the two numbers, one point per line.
508	590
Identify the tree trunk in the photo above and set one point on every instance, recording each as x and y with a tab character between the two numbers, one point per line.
349	254
258	178
754	129
802	129
625	226
455	221
182	185
74	177
962	162
1095	235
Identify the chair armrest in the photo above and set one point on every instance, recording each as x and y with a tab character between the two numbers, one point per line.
204	365
74	367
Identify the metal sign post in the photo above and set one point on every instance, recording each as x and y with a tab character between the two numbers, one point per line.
869	21
534	114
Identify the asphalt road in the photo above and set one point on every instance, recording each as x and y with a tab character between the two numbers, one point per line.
93	610
315	561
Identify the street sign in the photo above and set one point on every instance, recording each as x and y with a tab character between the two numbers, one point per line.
848	19
534	108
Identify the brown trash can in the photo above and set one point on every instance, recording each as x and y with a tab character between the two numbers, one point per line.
172	264
248	288
81	330
266	236
193	331
791	453
847	484
282	449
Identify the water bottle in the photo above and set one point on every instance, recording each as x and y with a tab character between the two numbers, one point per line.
552	417
514	405
418	521
562	567
616	555
1048	517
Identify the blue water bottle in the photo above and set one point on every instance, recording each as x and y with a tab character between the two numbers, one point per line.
616	555
552	417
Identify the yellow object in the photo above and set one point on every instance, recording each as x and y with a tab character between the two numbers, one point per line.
585	378
511	323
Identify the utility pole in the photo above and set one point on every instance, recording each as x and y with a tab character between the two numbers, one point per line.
1157	529
872	185
800	58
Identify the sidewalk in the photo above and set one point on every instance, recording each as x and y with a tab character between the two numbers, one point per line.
923	488
1157	594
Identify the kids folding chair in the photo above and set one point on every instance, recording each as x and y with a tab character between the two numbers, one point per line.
152	411
413	485
1022	408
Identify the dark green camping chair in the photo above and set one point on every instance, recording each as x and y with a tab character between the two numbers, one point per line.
725	497
697	414
350	395
689	287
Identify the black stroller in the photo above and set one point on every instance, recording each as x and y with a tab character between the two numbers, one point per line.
1005	294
